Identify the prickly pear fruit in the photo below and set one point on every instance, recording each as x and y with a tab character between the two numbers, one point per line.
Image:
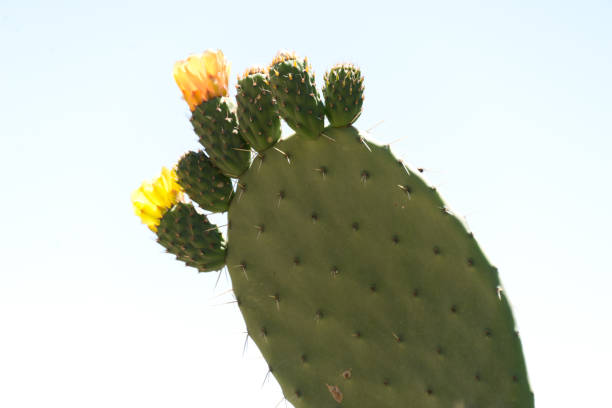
293	86
204	183
343	93
257	115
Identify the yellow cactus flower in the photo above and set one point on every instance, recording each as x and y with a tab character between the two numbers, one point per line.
153	198
202	77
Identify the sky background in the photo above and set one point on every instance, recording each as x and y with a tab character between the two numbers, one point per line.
506	105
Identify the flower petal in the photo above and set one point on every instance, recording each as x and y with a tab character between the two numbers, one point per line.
202	77
153	198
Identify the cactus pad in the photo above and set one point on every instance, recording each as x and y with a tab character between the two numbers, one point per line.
359	287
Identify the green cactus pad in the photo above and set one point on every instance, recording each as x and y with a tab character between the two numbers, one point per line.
293	86
258	118
214	121
194	240
203	182
343	92
360	288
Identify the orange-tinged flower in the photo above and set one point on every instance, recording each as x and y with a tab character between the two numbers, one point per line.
153	198
202	77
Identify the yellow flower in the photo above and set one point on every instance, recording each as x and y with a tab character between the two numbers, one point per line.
202	77
153	198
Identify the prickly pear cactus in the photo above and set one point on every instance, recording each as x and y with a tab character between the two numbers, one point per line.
356	283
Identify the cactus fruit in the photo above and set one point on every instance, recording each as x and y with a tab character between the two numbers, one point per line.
203	182
188	235
293	86
257	115
214	121
357	284
343	93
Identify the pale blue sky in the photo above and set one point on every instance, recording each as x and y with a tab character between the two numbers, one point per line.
505	104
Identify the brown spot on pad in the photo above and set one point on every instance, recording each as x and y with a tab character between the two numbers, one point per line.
334	390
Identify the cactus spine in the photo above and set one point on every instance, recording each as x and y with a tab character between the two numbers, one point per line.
358	286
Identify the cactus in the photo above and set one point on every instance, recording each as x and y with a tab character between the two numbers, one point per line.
358	285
